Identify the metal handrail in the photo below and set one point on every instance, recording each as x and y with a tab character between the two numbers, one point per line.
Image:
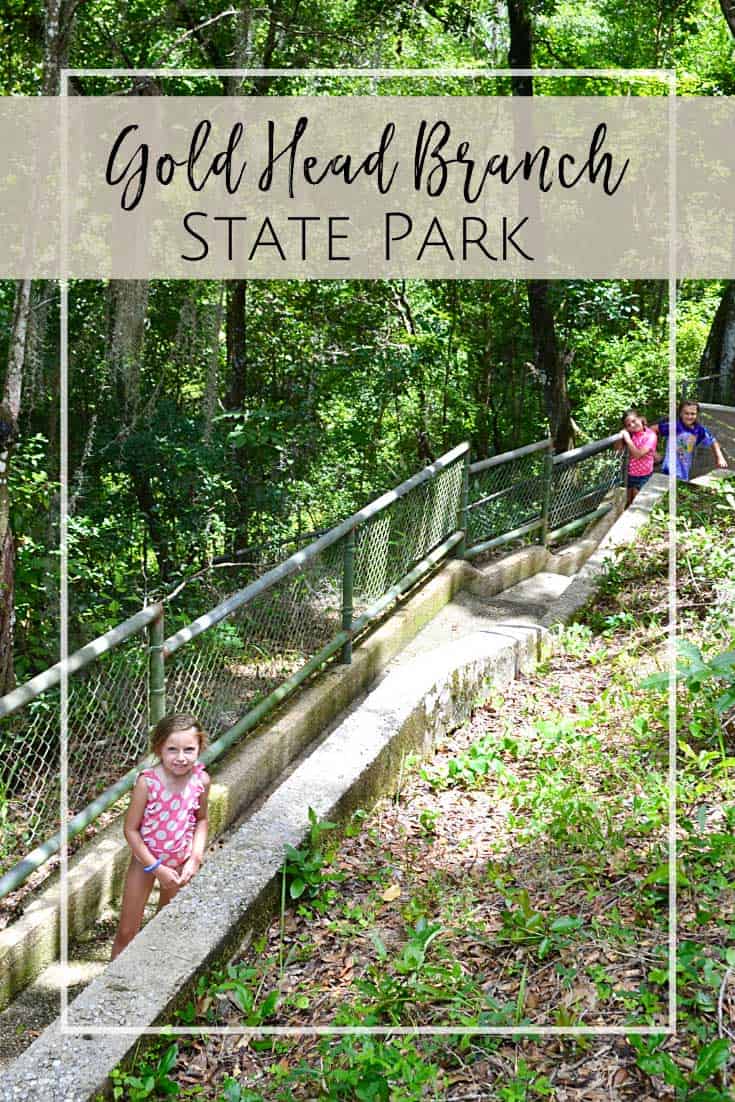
587	449
299	559
506	457
51	677
153	615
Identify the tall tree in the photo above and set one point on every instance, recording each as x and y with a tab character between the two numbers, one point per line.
728	10
718	357
547	360
58	19
9	413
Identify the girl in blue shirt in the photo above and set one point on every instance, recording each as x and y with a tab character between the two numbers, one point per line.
690	433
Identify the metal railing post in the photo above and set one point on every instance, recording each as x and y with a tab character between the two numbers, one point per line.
156	672
348	580
548	483
463	513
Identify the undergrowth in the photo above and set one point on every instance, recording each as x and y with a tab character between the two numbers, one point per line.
520	880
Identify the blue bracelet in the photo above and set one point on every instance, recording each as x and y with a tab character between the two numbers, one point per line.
154	866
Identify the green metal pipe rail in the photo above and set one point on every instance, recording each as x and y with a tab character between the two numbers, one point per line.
536	469
89	653
438	522
159	650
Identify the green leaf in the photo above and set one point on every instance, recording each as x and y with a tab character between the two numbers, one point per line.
661	1064
297	887
725	702
374	1089
231	1092
660	875
655	681
243	997
268	1005
565	923
168	1059
712	1057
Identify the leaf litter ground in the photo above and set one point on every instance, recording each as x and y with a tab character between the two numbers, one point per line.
517	879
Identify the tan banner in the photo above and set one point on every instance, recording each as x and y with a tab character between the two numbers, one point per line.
366	187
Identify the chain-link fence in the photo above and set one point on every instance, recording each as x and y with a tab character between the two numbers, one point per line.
259	641
532	495
107	732
237	659
390	543
714	389
222	672
508	494
222	665
581	480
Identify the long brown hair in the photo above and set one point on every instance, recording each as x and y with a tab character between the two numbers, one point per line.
176	721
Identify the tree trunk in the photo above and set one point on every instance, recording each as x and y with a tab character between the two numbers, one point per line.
728	10
237	360
520	49
9	413
147	504
718	357
211	393
550	365
546	356
58	18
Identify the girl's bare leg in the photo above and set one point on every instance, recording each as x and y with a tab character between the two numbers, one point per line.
138	886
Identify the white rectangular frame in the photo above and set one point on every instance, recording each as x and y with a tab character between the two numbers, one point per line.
667	76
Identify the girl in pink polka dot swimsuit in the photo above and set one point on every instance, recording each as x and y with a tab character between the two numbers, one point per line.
166	823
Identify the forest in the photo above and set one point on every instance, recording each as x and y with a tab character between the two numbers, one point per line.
210	419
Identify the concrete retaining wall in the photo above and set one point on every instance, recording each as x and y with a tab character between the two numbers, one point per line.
236	889
353	765
96	874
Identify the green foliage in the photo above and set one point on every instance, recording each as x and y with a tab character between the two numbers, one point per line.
602	827
375	1071
235	985
522	924
525	1085
611	375
152	1079
396	983
710	1059
696	673
304	867
32	491
475	768
573	638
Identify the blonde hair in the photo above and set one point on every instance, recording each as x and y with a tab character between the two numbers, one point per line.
176	721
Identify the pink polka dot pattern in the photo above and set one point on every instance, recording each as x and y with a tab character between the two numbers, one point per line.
169	820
